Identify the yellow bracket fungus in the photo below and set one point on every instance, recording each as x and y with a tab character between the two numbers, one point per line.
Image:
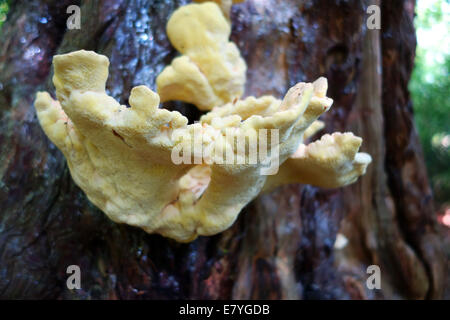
210	72
140	164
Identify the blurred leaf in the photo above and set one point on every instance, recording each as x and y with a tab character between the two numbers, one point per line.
4	7
429	86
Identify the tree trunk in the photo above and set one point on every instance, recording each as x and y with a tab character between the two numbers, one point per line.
282	246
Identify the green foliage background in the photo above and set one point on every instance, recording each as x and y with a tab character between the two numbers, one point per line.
4	7
429	88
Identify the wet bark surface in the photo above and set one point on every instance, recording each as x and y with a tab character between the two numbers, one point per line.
282	244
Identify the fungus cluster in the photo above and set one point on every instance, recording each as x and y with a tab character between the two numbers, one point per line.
122	158
210	72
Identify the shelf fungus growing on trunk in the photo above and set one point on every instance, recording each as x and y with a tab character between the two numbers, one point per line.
124	159
210	72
